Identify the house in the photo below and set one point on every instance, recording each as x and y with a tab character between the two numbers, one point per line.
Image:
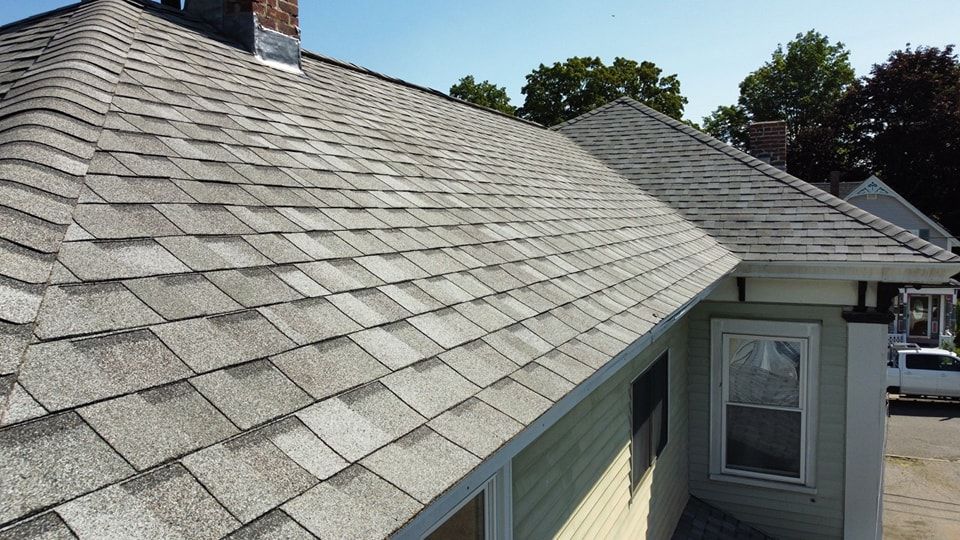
248	290
924	314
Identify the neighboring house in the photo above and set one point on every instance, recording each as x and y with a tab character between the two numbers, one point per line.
280	296
924	315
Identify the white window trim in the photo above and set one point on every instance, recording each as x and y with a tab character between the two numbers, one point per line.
810	331
497	506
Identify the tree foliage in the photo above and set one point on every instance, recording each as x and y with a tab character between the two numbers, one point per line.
565	90
485	94
804	84
908	128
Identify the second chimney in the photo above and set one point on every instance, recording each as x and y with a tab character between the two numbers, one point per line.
768	142
270	29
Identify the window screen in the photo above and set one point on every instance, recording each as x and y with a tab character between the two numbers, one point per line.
650	399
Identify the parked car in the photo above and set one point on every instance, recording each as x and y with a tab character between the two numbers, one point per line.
912	370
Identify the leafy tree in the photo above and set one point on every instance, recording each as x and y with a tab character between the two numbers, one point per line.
565	90
909	128
485	93
802	84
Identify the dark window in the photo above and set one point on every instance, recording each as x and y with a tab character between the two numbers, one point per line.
924	234
467	523
932	362
650	398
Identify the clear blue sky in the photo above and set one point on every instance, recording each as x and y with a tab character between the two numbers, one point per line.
711	45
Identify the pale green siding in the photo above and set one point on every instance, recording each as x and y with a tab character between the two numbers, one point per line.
783	514
574	480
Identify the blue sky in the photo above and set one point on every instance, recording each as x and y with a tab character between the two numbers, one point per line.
711	45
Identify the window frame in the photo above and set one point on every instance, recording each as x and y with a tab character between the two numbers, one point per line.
637	481
497	506
809	332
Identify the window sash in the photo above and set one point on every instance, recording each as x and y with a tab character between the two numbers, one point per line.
808	333
725	402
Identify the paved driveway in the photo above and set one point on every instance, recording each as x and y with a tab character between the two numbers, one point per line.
922	490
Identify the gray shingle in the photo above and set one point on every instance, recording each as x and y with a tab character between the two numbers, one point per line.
249	475
518	344
340	275
180	297
565	366
119	259
330	367
253	286
213	252
391	268
447	327
421	463
215	342
275	525
353	504
51	460
164	503
369	307
123	221
309	320
20	405
479	362
430	387
514	399
476	426
155	425
360	421
411	297
47	526
542	381
64	374
82	309
252	393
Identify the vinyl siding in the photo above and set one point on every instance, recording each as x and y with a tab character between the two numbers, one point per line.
899	214
574	480
784	514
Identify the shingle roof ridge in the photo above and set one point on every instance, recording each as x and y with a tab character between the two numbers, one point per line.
395	80
41	16
590	113
54	177
882	226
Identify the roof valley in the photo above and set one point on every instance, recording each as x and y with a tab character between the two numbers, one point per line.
67	90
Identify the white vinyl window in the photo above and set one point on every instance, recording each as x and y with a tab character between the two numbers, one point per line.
483	515
764	399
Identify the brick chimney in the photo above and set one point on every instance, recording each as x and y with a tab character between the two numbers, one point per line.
270	29
768	142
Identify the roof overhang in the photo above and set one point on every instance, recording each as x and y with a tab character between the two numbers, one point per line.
934	273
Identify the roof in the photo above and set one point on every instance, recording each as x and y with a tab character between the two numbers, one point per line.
702	521
845	187
757	211
236	299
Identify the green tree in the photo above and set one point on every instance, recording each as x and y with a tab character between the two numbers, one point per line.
485	94
803	84
565	90
909	128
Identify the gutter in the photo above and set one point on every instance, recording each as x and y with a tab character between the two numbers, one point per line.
933	273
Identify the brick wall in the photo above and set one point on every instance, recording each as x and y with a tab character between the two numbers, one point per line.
768	141
278	15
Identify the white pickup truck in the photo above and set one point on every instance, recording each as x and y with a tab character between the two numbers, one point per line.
912	370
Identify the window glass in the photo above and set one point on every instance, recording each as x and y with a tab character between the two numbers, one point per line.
764	371
924	234
468	523
919	315
764	440
649	393
932	362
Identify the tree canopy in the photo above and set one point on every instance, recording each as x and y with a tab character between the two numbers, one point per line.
565	90
802	84
907	121
485	93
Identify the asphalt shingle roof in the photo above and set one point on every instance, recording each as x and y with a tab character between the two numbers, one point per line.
239	300
755	210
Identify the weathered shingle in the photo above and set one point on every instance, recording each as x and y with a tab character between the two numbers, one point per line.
330	367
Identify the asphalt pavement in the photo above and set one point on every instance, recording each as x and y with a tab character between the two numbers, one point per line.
922	476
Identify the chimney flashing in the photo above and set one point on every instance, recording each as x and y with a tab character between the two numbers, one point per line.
241	21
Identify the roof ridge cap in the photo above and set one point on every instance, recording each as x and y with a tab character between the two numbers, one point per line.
33	92
878	224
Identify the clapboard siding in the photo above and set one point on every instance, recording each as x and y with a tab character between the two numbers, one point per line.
574	480
783	514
